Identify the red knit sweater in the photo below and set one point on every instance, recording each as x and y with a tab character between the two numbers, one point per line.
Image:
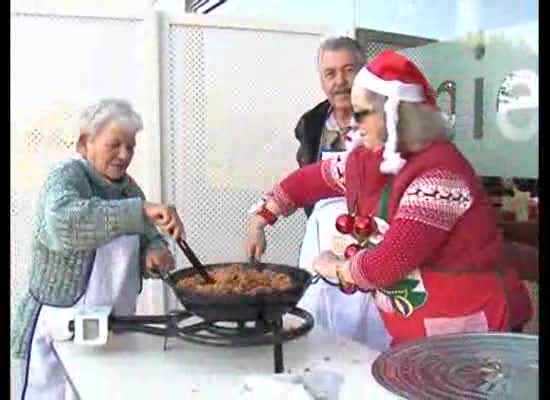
439	215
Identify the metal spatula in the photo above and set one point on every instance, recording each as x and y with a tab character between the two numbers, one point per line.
182	244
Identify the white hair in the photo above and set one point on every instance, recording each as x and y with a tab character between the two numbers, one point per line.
335	43
97	116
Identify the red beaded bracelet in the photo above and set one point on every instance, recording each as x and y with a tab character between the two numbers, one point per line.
267	215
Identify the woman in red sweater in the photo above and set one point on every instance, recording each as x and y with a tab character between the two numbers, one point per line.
427	240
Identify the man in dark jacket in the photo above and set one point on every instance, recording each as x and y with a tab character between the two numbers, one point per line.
326	126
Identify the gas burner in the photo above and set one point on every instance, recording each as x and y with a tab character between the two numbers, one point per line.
189	327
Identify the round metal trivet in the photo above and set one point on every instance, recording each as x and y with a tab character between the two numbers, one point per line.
466	366
218	335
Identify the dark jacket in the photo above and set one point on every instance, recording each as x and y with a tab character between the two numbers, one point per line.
308	132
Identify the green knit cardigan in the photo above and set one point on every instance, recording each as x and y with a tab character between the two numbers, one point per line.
77	212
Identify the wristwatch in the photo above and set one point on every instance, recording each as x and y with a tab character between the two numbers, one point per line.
261	210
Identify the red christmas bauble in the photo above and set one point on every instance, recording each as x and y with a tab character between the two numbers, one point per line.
364	226
345	223
351	250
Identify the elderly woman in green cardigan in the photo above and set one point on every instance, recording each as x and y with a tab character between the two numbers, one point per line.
94	239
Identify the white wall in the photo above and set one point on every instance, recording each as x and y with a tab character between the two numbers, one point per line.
107	6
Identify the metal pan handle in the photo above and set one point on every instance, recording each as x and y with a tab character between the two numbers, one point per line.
317	277
165	276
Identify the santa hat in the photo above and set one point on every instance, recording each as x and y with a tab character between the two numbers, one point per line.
396	77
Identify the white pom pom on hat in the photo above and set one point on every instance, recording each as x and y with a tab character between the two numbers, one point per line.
399	79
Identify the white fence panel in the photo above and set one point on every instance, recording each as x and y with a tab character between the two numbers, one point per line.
232	97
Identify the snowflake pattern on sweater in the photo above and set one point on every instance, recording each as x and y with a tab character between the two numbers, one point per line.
437	198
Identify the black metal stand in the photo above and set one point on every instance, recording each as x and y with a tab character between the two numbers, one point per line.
171	326
262	331
278	346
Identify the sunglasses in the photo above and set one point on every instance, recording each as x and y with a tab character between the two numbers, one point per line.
358	116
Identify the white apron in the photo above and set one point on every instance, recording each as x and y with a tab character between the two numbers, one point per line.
114	281
353	316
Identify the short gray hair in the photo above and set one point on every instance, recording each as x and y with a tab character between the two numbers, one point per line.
343	43
418	122
97	116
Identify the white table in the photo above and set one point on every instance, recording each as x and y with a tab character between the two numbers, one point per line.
134	366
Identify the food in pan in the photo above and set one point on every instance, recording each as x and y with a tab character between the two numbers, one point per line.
236	279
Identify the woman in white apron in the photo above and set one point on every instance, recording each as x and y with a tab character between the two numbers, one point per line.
115	281
353	316
94	239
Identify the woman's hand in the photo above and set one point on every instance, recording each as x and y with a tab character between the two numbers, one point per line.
166	218
255	242
159	260
325	264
